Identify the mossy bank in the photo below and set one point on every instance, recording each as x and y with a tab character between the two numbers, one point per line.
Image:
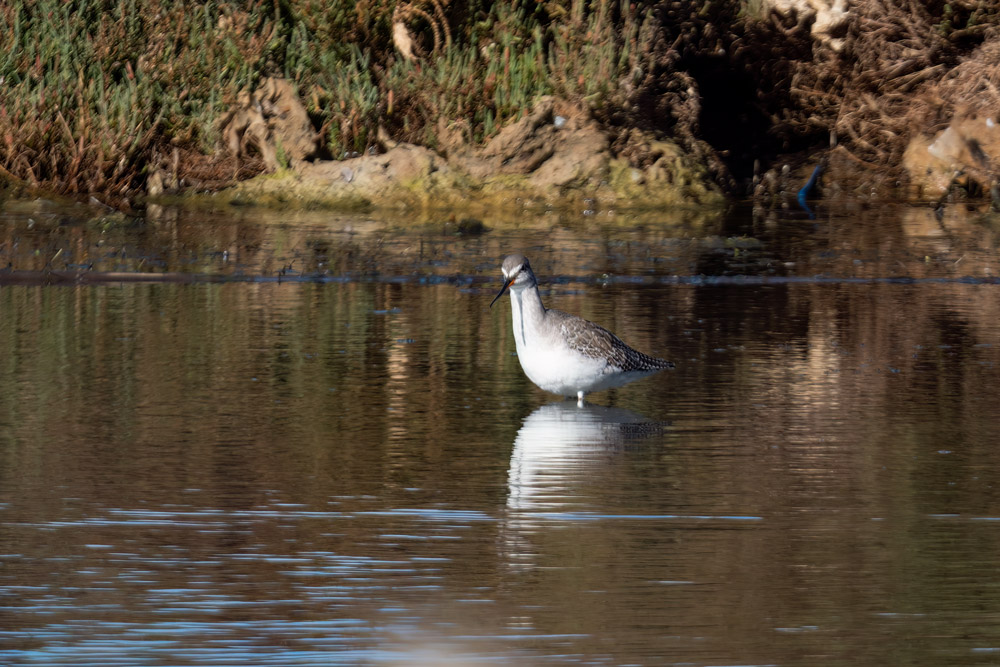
542	161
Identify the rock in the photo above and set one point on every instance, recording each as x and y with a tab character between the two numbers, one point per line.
452	136
523	146
673	177
574	152
829	18
273	121
519	148
471	227
580	155
369	177
969	148
402	39
929	175
530	162
154	183
385	142
162	175
287	119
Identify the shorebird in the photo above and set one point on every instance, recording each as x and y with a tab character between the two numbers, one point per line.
562	353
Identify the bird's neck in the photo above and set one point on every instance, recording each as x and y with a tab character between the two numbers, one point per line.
528	312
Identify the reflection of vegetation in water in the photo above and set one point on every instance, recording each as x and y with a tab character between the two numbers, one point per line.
373	380
42	235
846	416
142	373
270	431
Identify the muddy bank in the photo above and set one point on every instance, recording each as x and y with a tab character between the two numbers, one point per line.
557	156
433	103
886	100
904	95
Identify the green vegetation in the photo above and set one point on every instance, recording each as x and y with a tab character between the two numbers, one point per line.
95	91
97	94
91	88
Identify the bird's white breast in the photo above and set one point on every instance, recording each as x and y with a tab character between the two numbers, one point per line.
549	362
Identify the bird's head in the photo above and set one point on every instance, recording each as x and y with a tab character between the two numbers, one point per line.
516	274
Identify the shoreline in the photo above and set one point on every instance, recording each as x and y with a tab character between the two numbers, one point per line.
553	104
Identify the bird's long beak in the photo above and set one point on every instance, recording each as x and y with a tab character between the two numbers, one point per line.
506	284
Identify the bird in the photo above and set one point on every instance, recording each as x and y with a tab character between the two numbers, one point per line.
562	353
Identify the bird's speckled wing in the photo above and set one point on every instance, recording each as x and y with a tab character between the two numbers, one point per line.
595	341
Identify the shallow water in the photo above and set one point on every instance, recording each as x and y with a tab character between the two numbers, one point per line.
333	457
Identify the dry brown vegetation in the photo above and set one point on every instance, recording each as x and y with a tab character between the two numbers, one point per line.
98	95
903	69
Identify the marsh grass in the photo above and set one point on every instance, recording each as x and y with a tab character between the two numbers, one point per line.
93	92
92	89
507	55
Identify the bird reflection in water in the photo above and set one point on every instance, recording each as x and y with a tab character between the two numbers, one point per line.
559	452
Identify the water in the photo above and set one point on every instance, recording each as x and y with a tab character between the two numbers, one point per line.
341	462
